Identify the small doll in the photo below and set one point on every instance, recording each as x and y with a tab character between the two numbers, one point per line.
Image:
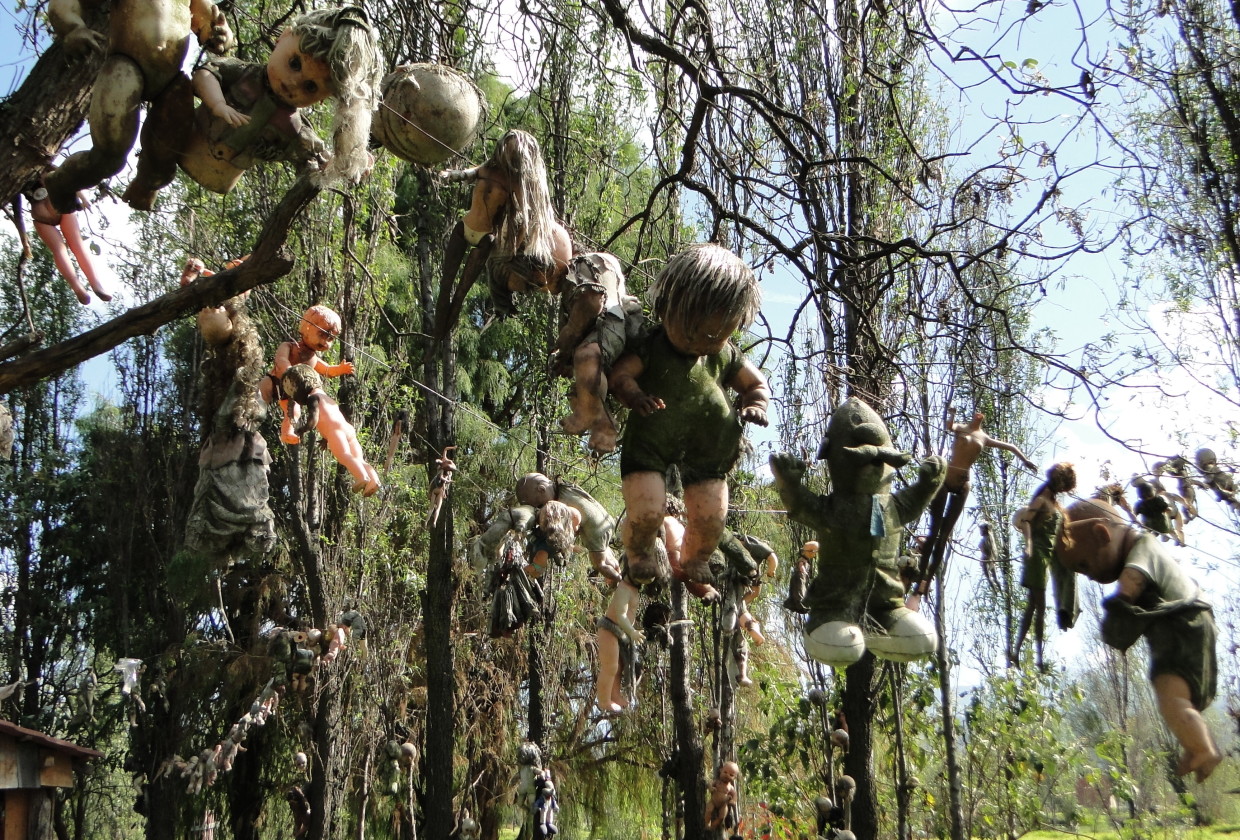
860	526
1186	481
303	386
146	44
1218	479
1039	521
1113	494
743	554
1156	600
968	441
250	111
511	222
618	640
989	556
319	328
596	526
63	237
440	485
721	807
798	581
599	321
1155	511
677	385
553	537
546	806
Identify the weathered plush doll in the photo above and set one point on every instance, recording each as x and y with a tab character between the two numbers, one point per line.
721	806
677	383
798	581
303	386
1156	600
146	44
618	640
1218	479
1039	521
599	321
63	237
1155	511
546	806
319	328
968	441
440	485
553	537
249	111
511	222
1186	481
860	526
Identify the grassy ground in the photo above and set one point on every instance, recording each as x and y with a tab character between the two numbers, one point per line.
1216	832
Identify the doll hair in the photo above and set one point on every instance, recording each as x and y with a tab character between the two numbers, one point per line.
527	222
705	279
1060	478
555	521
323	318
297	384
345	40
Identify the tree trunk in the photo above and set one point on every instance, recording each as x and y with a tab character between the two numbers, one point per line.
951	759
859	706
689	776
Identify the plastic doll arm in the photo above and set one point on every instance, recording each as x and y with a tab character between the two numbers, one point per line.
624	387
66	20
208	88
324	369
772	564
1022	521
210	27
282	361
995	443
456	176
1132	583
755	393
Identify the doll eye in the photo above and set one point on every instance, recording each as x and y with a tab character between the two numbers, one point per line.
311	87
294	64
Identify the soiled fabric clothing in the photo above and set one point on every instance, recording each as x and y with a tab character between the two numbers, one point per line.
744	555
597	525
1177	623
1042	532
621	322
700	429
275	132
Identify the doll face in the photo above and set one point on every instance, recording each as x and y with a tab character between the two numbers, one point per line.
704	336
1091	547
317	337
298	79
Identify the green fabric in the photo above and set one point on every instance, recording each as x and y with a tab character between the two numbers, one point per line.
700	429
1181	637
1041	550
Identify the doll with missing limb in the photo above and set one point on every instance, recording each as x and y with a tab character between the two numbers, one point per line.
63	237
856	599
618	640
250	111
511	223
748	560
319	328
599	321
440	485
721	806
677	383
303	386
1156	600
968	441
146	44
1039	521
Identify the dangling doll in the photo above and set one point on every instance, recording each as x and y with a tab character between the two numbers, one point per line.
319	328
63	237
302	385
1040	522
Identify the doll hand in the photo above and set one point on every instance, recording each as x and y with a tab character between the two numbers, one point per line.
340	369
637	636
645	405
83	41
754	414
1029	465
231	115
219	39
787	467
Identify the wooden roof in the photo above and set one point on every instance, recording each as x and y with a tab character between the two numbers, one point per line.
22	734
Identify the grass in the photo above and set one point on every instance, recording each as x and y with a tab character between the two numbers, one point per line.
1215	832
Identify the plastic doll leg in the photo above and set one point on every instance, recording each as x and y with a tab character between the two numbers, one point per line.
114	107
608	672
290	410
1026	621
941	536
1201	754
590	405
452	298
165	134
73	238
645	498
706	505
60	255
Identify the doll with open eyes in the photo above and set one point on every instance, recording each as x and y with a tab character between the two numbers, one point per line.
318	330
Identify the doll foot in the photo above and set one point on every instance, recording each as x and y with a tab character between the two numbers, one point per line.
139	198
1201	764
650	567
603	438
744	681
575	425
607	707
909	635
754	629
697	570
82	295
836	643
366	488
103	296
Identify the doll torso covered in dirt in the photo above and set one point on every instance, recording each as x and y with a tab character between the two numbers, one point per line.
860	524
155	34
699	428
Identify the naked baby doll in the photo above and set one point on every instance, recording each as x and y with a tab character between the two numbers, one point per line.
511	223
63	237
618	639
319	328
722	797
146	44
1157	600
305	387
677	384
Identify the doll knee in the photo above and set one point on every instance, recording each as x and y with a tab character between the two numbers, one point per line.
909	635
836	643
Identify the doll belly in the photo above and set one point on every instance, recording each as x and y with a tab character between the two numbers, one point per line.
214	173
154	34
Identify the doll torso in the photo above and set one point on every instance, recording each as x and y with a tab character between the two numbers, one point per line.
155	35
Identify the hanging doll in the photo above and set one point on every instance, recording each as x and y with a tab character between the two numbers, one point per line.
677	383
1217	479
721	804
860	526
1186	482
319	328
545	805
747	559
670	540
553	537
516	597
146	44
798	581
1039	522
510	221
1156	511
596	526
599	321
618	640
989	556
63	237
440	485
303	386
250	110
968	441
1113	494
